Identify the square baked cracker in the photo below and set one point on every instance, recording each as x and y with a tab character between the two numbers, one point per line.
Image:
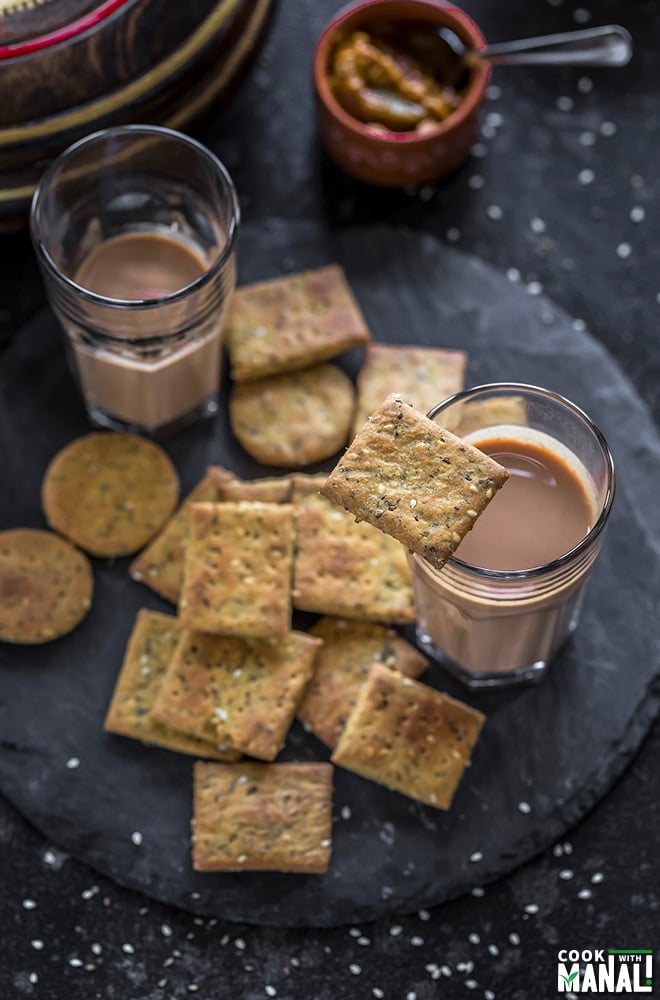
408	737
347	569
342	666
422	376
160	565
148	653
238	692
262	817
414	480
293	322
237	574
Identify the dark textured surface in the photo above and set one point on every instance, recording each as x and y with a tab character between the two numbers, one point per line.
392	856
582	237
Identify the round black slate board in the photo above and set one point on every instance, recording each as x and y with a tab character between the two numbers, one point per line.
558	746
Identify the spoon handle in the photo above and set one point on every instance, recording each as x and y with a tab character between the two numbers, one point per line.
610	45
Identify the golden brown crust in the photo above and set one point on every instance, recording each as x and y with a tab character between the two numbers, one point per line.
268	489
422	376
110	493
46	586
237	575
148	653
289	323
342	666
160	565
262	817
414	480
295	418
408	737
237	692
348	569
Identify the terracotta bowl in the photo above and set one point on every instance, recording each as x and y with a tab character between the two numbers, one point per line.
396	159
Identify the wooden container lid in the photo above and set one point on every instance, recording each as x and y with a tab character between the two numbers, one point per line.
70	67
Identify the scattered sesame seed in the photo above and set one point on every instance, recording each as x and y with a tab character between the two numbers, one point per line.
72	763
586	176
96	948
50	858
425	915
128	949
476	856
534	287
494	212
364	941
488	132
446	971
30	904
240	944
355	969
478	150
192	987
513	274
514	939
607	129
584	894
493	92
531	908
166	930
623	250
587	139
270	991
37	944
411	995
345	812
637	214
136	837
33	978
416	941
354	932
378	993
564	103
395	930
585	85
453	235
580	326
489	995
493	950
476	182
474	939
537	225
89	893
581	15
75	963
566	874
471	984
478	891
221	714
524	807
597	877
386	892
495	119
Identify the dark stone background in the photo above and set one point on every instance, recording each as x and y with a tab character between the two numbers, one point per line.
570	160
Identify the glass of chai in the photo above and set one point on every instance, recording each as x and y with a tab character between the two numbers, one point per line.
135	229
499	610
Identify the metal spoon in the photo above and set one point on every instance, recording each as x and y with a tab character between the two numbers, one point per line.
609	45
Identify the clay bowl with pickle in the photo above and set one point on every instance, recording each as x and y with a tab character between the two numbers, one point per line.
392	111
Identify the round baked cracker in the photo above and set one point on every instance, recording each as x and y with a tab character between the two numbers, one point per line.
45	586
295	418
109	493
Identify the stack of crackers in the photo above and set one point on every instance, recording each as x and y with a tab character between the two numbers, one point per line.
224	678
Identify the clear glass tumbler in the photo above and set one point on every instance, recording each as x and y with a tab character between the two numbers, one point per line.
121	203
493	627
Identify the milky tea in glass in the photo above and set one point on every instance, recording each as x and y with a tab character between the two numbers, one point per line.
500	609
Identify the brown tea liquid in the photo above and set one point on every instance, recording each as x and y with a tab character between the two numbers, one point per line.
139	266
541	513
